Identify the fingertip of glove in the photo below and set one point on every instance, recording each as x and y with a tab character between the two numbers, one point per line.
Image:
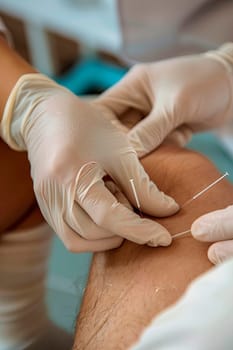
200	229
220	251
163	238
172	206
166	207
213	255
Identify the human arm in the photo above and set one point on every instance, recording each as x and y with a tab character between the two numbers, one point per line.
12	67
129	286
16	200
17	196
201	319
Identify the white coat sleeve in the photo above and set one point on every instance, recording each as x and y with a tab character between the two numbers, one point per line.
202	319
5	32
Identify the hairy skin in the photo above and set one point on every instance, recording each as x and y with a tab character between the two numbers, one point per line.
127	287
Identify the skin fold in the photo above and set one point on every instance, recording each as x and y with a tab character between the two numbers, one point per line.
130	285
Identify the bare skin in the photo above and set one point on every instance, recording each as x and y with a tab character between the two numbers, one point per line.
127	287
11	62
17	196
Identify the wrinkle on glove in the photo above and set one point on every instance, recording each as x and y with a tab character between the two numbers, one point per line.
216	226
72	147
202	319
112	214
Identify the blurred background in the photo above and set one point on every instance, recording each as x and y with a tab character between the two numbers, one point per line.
87	46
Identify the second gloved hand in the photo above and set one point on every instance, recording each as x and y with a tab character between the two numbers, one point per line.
174	97
217	227
72	147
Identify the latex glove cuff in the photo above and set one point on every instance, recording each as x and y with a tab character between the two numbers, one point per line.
28	92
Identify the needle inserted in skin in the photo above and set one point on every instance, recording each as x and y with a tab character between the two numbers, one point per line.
205	189
187	232
181	234
136	196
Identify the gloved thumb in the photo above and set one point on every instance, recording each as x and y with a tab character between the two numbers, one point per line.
149	133
214	226
220	251
180	136
131	92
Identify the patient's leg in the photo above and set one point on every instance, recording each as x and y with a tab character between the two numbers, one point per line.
127	287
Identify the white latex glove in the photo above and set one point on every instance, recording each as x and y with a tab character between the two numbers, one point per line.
71	148
216	226
202	319
184	94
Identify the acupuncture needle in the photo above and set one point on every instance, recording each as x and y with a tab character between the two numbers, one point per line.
181	234
205	189
136	196
187	232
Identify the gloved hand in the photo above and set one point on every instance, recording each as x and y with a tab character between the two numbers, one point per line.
72	147
184	95
216	226
201	319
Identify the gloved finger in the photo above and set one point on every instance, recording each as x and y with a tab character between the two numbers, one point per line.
83	225
81	222
149	133
180	136
107	212
114	189
76	244
153	201
125	121
220	251
214	226
65	212
130	92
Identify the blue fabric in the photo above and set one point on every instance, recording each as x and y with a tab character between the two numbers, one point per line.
91	75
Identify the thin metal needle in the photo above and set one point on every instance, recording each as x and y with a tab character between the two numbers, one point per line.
180	234
205	189
136	196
